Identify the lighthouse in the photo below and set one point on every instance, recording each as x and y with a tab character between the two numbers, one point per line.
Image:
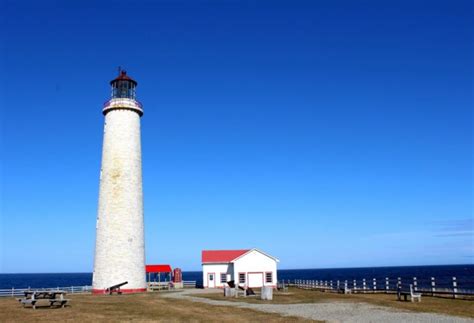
120	244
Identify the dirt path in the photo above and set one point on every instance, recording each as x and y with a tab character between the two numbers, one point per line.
328	311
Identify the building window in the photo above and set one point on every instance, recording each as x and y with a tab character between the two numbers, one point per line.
241	278
211	277
268	277
223	278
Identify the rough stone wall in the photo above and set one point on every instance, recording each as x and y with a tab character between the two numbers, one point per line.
120	245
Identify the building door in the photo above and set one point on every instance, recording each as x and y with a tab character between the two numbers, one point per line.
255	279
211	280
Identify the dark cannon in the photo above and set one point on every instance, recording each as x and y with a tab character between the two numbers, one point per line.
115	288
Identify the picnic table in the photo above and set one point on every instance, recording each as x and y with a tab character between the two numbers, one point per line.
54	297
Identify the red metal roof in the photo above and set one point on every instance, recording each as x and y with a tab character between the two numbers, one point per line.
209	256
123	76
158	268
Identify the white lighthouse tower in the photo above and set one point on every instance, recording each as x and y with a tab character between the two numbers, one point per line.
120	245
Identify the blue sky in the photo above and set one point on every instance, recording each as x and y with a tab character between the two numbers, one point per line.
327	133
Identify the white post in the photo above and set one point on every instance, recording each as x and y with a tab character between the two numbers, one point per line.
374	281
455	287
433	286
354	285
363	284
13	291
337	284
386	285
399	283
330	283
415	284
345	286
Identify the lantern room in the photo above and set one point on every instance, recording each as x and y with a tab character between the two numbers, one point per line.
123	86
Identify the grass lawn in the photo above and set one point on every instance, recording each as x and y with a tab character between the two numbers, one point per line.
137	307
456	307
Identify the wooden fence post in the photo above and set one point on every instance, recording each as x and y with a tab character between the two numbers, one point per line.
374	282
455	287
386	285
415	284
399	283
433	286
337	284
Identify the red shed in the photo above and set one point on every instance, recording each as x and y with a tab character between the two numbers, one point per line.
158	269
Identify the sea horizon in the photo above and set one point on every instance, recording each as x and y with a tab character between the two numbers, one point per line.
313	268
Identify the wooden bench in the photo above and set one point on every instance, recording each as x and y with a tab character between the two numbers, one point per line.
152	286
405	295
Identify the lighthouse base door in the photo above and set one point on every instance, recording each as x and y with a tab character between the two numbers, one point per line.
255	279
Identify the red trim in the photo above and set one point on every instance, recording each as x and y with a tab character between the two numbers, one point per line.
123	290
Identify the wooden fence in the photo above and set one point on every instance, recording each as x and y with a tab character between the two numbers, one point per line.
381	286
21	291
12	292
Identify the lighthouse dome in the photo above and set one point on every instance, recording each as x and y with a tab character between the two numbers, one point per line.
123	77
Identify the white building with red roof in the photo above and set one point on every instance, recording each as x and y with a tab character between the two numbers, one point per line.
249	267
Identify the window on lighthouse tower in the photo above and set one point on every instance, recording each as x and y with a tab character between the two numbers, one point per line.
123	87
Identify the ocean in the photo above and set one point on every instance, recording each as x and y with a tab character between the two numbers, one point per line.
443	274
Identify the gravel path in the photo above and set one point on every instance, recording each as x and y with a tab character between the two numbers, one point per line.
331	312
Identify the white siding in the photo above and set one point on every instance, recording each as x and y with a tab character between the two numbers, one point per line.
217	270
256	262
